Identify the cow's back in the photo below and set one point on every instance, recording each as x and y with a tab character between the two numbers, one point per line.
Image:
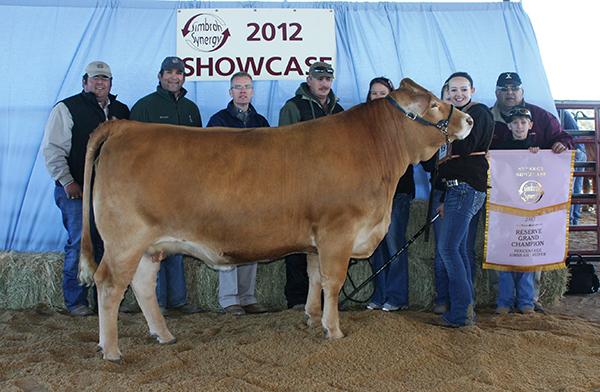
249	194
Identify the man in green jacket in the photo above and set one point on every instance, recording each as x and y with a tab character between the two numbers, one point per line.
168	105
314	98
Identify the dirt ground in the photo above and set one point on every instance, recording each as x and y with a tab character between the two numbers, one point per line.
44	350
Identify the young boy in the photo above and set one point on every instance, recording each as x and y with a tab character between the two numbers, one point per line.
517	288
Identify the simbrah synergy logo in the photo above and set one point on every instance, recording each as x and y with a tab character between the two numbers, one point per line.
205	32
531	192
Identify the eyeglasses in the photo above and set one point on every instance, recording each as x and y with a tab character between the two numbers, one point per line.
519	112
509	88
242	87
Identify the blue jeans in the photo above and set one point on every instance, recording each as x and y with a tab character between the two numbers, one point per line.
515	289
170	283
391	285
71	210
461	204
580	156
441	277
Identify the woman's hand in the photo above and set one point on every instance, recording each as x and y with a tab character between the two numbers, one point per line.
440	210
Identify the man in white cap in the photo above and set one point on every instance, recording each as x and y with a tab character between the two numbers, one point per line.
65	140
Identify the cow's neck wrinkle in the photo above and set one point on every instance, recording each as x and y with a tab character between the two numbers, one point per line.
402	141
389	135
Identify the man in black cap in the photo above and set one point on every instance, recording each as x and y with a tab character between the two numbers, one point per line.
546	132
168	105
71	122
314	98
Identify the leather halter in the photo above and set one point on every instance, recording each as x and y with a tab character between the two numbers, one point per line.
441	125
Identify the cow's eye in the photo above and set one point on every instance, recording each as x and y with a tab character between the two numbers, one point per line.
434	105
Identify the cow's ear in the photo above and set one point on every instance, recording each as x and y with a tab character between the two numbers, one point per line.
409	84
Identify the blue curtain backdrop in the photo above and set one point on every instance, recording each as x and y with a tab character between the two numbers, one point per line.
46	45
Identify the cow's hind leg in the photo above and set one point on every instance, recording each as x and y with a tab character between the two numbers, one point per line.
333	262
313	300
111	288
144	288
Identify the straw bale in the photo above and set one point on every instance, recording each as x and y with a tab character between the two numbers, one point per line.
30	279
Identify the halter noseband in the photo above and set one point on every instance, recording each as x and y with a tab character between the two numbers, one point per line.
441	125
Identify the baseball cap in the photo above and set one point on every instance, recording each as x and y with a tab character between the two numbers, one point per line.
319	69
506	78
98	68
519	111
172	62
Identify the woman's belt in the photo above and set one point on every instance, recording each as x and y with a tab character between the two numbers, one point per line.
470	155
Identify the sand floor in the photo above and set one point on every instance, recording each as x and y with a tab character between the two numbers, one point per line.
44	350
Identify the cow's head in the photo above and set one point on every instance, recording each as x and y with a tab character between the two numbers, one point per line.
425	108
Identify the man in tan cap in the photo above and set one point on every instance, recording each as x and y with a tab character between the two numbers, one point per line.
314	98
65	140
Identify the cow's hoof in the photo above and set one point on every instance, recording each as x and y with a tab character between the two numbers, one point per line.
117	361
171	340
98	348
333	334
115	358
167	342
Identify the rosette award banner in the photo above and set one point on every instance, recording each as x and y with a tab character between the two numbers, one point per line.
527	209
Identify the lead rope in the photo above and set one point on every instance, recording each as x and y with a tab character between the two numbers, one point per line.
350	297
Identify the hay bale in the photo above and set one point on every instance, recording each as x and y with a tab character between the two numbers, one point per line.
30	279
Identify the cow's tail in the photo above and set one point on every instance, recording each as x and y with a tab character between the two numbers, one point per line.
87	264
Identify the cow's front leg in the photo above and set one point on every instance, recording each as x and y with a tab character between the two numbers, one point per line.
144	288
334	266
313	300
109	297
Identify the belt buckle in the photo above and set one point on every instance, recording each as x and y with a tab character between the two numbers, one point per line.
451	183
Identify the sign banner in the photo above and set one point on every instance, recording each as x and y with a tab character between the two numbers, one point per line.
528	205
269	44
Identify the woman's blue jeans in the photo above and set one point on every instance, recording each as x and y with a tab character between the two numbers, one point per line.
461	203
441	277
391	285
